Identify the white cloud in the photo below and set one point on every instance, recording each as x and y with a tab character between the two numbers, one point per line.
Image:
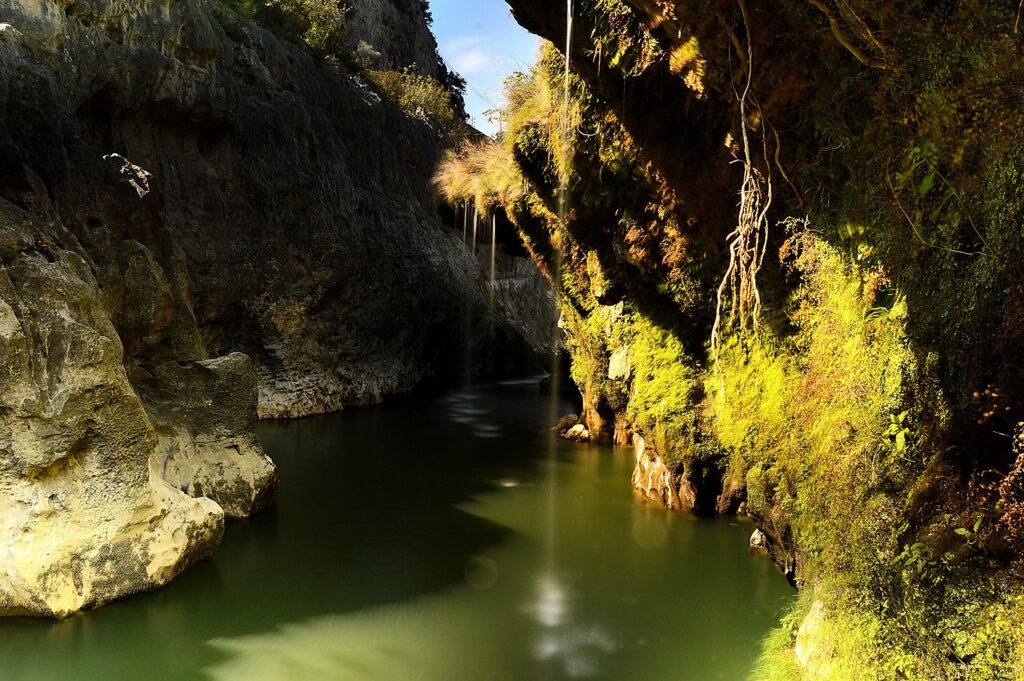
461	43
471	62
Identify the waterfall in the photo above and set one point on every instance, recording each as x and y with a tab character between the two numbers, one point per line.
494	242
476	217
552	604
465	219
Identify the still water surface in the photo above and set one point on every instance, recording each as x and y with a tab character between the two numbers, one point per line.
436	539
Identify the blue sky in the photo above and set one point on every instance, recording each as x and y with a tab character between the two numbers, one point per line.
482	42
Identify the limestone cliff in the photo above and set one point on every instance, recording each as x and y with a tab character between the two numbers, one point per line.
179	186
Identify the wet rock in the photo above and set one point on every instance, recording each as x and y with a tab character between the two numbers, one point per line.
565	423
577	433
758	540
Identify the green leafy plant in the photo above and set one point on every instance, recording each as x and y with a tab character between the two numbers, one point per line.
898	432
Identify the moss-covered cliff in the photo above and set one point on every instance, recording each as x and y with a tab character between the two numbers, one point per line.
790	272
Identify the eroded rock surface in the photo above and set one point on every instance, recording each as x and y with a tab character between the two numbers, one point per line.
204	413
85	516
178	187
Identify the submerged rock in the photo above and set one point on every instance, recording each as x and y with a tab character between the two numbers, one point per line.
565	423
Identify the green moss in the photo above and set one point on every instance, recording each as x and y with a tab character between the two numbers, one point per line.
665	393
848	415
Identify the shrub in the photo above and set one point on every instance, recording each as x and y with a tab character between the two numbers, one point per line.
417	95
317	24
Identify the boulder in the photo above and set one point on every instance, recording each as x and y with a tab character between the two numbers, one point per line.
565	423
85	514
758	540
577	433
204	413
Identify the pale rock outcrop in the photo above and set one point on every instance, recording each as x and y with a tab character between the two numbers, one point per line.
577	433
655	482
204	413
85	516
619	367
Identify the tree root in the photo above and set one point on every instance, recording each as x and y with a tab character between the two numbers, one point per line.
837	30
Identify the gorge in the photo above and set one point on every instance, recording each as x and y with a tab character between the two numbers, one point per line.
778	245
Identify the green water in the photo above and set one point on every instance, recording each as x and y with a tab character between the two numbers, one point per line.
440	539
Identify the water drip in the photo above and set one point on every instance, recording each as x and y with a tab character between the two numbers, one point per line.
550	588
494	242
476	219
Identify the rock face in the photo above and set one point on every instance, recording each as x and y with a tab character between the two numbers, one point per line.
204	413
177	187
395	31
85	516
655	482
691	488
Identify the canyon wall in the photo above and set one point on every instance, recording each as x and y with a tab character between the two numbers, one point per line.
200	223
788	268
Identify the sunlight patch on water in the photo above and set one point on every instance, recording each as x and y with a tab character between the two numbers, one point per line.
463	408
402	642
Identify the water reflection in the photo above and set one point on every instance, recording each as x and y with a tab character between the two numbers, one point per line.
407	549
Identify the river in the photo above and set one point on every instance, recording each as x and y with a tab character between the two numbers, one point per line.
436	538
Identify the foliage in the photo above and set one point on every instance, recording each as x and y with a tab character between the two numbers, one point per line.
417	95
849	417
1011	495
317	24
482	172
665	390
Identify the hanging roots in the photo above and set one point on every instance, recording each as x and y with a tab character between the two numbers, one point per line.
748	243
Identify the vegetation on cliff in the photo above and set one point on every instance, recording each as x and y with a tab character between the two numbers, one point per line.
320	26
861	389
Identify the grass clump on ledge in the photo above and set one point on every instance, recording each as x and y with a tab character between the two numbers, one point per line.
482	172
